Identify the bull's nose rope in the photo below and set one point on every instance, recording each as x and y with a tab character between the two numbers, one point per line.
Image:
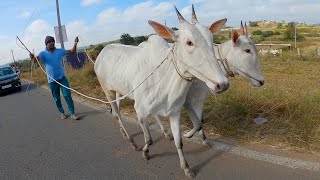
226	65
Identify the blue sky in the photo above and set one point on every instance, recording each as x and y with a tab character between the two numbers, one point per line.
96	21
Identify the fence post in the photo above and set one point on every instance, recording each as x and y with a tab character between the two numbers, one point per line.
318	51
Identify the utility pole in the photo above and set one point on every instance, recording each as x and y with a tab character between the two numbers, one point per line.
295	35
59	25
60	35
14	61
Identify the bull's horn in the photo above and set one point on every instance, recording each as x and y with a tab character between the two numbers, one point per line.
245	28
194	17
242	29
181	19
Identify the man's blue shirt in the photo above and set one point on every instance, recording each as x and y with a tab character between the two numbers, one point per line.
53	63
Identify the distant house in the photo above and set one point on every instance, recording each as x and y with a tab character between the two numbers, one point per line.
77	60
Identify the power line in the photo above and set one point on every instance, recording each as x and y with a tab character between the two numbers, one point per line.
36	9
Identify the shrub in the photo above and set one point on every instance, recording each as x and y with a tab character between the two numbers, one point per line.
257	39
267	33
99	48
258	32
218	39
253	23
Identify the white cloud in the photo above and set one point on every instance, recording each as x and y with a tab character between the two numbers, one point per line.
288	10
33	38
90	2
286	1
39	26
112	22
141	13
24	14
110	15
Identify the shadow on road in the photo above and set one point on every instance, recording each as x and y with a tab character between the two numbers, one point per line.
16	91
82	115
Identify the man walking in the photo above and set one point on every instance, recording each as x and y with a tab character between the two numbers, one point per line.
51	57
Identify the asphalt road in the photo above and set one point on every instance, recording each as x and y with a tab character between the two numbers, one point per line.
35	144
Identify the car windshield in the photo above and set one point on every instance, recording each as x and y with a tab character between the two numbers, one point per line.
5	71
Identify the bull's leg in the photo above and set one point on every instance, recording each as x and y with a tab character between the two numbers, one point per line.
164	130
197	125
111	96
143	121
175	128
194	109
203	137
198	106
118	105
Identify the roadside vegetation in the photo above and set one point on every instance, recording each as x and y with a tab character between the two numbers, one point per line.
289	100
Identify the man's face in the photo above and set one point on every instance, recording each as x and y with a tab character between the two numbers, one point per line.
50	45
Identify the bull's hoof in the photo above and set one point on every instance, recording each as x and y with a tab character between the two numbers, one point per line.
205	143
189	173
189	134
133	144
123	133
168	137
135	147
150	142
145	155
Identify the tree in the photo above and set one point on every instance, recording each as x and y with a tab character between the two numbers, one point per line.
126	39
279	25
290	32
140	39
174	28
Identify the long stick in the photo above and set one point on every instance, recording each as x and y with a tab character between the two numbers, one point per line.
24	45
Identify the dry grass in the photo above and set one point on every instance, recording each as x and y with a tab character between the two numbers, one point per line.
289	100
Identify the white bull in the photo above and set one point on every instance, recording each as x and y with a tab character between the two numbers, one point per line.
120	69
237	56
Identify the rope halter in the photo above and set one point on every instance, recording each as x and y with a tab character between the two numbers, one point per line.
224	61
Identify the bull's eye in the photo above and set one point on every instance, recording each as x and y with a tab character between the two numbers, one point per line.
189	43
247	51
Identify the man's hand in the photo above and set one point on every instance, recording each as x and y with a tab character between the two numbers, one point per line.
76	40
31	56
74	48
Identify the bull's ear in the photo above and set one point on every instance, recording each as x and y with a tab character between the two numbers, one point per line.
234	37
216	26
163	31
